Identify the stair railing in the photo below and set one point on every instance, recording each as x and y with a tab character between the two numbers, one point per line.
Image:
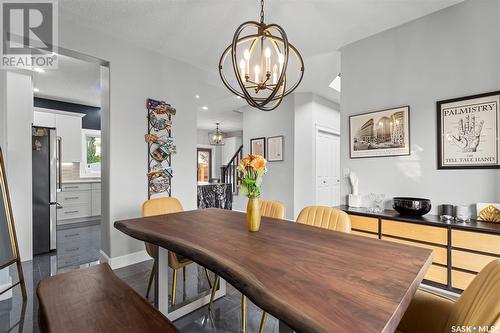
229	174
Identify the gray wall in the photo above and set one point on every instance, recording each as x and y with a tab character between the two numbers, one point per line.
278	182
451	53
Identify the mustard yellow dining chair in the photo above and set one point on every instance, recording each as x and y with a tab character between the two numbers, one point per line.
272	208
477	309
325	217
161	206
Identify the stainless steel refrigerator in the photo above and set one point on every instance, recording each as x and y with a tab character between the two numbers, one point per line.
46	175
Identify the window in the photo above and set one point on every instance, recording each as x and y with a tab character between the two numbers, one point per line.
204	161
91	153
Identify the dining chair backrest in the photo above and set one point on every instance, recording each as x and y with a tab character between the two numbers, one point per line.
325	217
272	208
479	304
159	206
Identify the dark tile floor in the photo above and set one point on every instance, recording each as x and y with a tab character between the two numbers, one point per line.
224	317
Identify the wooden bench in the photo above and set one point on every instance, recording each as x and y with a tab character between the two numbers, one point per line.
95	300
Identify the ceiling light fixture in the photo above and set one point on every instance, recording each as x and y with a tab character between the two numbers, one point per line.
336	83
197	96
216	138
204	108
36	90
260	60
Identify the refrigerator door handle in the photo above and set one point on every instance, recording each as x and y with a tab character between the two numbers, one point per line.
59	164
53	227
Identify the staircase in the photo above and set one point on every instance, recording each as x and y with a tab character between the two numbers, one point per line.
229	174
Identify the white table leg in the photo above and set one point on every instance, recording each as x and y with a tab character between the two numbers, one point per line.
162	288
161	281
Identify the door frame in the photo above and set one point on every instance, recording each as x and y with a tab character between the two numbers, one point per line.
329	130
212	160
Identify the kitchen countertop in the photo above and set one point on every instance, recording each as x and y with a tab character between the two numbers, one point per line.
74	181
429	219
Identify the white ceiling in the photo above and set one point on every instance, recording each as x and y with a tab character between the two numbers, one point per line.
196	31
74	81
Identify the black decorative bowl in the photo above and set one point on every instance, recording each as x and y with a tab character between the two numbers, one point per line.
411	206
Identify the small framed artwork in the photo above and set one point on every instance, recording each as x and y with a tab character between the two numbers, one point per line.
380	133
468	132
275	148
258	147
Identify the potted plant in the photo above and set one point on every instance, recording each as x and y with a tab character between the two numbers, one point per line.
251	170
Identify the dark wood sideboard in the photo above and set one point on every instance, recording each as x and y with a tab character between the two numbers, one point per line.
460	250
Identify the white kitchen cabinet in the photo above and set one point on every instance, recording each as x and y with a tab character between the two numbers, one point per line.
44	119
69	128
80	201
96	199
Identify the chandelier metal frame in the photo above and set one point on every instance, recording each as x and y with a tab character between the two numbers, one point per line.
279	89
219	140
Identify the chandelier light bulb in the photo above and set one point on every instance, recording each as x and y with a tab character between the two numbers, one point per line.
267	54
246	55
275	74
243	67
257	72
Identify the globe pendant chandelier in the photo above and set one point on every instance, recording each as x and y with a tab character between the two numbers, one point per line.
261	59
216	138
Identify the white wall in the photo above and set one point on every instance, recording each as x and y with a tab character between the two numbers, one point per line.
278	182
17	119
310	111
135	75
451	53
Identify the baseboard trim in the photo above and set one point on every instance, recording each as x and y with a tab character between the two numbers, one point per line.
125	260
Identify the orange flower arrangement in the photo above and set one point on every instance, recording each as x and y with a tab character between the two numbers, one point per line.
251	169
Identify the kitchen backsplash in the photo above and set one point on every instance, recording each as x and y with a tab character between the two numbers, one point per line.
70	171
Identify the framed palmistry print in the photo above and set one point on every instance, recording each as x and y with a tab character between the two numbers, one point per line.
468	132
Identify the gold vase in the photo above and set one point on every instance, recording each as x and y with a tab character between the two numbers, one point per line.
253	214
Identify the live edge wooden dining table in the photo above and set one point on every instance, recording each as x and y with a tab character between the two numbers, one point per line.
311	279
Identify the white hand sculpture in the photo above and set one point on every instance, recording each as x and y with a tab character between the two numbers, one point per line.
354	182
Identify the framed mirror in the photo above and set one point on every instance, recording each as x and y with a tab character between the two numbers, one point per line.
9	250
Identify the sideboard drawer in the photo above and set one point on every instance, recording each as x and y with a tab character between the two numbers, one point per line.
439	254
475	241
73	198
469	261
364	223
419	232
365	234
73	212
75	187
437	274
461	280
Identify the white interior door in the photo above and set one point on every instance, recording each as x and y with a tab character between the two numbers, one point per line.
327	169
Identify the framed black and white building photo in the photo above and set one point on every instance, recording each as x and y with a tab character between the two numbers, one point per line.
467	132
380	133
275	148
258	146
